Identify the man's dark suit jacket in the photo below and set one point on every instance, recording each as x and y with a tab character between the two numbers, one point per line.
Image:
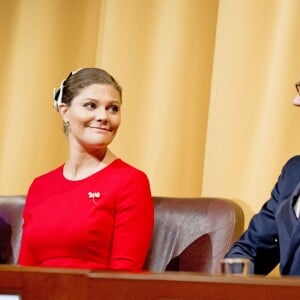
273	235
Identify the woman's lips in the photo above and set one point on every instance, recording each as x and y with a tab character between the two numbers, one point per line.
100	128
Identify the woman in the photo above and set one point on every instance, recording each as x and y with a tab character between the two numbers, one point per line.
95	211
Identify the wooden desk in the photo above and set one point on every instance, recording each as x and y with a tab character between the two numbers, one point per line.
43	283
61	284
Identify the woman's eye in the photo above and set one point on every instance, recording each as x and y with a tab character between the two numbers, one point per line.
90	105
114	108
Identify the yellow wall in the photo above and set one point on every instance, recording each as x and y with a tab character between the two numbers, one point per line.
163	56
160	51
252	128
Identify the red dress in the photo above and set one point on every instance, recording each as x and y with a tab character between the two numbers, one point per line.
104	221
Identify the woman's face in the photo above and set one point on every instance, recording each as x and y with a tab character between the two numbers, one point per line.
94	116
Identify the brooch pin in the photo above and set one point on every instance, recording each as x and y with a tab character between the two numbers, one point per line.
93	196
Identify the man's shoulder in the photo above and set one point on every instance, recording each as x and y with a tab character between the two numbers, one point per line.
293	163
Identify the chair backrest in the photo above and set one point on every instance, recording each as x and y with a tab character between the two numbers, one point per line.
190	234
11	210
193	234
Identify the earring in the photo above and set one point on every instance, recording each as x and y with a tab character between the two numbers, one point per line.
66	125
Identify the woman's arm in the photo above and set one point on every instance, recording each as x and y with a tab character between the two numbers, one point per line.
133	225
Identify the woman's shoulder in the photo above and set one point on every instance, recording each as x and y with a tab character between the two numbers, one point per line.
125	172
49	175
45	182
125	167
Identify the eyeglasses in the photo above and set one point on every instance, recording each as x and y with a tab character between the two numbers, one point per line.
298	87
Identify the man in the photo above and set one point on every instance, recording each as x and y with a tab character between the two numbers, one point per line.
273	235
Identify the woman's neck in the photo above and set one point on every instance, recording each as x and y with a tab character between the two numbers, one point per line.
83	164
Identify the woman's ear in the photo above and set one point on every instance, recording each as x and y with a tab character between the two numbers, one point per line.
63	110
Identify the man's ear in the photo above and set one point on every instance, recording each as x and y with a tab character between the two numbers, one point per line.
296	101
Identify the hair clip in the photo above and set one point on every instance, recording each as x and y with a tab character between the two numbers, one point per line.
58	93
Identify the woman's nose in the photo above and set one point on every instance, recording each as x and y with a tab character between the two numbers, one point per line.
101	114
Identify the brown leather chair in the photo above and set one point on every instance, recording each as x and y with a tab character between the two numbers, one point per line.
190	234
193	234
11	209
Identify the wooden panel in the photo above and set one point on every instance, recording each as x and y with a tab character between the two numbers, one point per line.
41	283
63	284
187	286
